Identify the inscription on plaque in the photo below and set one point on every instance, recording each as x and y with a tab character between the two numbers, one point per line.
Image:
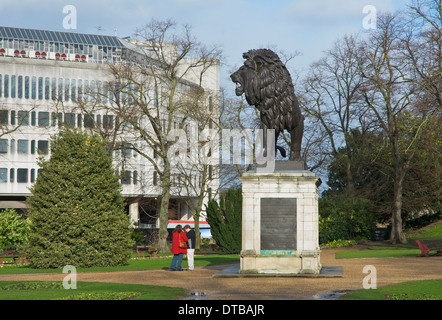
278	223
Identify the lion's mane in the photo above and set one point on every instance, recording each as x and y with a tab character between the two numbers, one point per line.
268	86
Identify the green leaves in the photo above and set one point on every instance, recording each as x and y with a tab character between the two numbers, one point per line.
13	228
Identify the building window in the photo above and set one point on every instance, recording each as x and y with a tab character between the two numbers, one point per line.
43	119
73	89
12	175
33	90
155	178
13	86
4	117
3	175
40	88
20	87
32	175
69	119
23	146
6	89
126	177
135	177
43	146
22	175
66	89
108	122
54	89
33	119
60	89
88	121
3	146
23	118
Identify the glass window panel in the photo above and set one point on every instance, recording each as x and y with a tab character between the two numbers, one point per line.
20	87
13	86
3	146
69	119
12	175
73	89
4	115
54	89
43	119
23	146
3	175
108	122
23	118
22	175
47	88
43	146
27	87
126	177
88	121
6	88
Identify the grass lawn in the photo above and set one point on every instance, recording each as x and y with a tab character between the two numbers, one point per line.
49	290
413	290
383	249
133	264
44	290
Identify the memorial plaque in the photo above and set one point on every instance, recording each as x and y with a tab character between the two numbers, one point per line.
278	223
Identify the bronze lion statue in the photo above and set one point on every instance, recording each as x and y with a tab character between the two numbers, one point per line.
268	86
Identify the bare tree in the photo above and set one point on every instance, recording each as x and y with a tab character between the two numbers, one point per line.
333	98
391	93
156	93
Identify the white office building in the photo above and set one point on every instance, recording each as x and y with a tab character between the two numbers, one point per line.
42	76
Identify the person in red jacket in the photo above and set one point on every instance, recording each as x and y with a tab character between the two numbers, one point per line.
178	235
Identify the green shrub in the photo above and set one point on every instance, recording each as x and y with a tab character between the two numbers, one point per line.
76	211
346	218
225	220
13	228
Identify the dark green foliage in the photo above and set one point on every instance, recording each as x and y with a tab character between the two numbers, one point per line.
345	218
77	212
225	220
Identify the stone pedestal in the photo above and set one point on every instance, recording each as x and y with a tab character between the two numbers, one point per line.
280	221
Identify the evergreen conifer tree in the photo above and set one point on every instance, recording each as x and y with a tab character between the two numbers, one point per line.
76	211
225	220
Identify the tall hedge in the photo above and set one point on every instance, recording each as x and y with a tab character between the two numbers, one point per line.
225	220
76	209
345	218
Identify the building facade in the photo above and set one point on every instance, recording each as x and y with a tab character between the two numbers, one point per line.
43	76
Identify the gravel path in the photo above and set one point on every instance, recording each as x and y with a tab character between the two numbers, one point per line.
389	271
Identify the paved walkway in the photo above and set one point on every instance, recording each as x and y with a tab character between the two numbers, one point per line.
389	271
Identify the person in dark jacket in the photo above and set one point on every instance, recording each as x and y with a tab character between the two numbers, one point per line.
178	235
190	246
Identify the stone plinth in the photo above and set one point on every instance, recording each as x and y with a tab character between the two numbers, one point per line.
280	222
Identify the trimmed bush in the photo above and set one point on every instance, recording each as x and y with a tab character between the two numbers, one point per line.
77	212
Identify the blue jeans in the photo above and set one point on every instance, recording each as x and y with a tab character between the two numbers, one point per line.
176	262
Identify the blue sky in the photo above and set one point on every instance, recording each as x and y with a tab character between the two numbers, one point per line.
307	26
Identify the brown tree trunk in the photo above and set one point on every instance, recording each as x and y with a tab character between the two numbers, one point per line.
397	233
